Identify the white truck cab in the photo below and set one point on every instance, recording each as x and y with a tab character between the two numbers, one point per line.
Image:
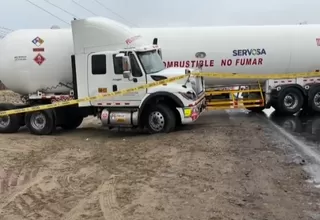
101	70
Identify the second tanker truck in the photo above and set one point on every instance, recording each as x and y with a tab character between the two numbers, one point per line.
97	56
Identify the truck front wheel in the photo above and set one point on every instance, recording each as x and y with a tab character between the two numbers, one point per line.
160	119
41	122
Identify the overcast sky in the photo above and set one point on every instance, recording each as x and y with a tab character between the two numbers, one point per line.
16	14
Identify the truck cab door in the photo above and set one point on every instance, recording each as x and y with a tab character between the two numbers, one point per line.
99	75
119	82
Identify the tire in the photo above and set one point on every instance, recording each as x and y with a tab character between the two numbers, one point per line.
314	99
9	123
293	94
72	123
47	119
165	116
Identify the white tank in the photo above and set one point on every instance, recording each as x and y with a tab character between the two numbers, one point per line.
23	71
239	49
283	49
40	59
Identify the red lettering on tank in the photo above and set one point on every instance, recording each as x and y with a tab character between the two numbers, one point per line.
226	62
249	61
170	64
254	62
189	63
132	39
181	63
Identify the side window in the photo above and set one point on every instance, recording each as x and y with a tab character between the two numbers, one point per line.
99	64
136	71
117	65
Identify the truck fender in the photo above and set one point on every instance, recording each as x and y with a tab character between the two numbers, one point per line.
275	93
158	96
312	87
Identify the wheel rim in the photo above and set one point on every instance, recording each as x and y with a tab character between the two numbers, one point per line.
156	121
316	100
291	101
289	125
4	121
38	121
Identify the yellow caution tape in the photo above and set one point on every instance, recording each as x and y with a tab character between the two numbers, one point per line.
161	82
86	99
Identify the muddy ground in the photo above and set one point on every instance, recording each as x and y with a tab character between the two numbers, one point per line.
228	166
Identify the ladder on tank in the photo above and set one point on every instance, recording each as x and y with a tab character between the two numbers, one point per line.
226	98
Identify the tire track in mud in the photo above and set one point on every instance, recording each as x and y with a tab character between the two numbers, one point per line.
105	197
14	178
108	202
20	185
16	194
34	203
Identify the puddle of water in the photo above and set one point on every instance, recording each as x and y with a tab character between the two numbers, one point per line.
304	132
314	171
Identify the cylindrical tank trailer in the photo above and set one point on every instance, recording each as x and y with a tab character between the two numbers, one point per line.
39	59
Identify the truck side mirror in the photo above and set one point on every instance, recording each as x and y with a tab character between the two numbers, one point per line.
127	75
126	66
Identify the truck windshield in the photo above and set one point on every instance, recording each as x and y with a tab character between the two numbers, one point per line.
151	61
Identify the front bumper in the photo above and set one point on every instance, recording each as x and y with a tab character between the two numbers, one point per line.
191	114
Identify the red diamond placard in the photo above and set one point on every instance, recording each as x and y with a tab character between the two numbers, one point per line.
39	59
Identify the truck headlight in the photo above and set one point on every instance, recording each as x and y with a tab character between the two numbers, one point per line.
190	95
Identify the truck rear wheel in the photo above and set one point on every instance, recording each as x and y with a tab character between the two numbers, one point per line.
314	99
9	123
290	101
41	122
160	119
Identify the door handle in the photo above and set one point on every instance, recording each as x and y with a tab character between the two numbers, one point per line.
114	88
135	80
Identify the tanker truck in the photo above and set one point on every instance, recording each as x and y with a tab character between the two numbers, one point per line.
254	50
96	56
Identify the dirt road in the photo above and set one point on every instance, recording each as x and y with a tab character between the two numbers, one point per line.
225	167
